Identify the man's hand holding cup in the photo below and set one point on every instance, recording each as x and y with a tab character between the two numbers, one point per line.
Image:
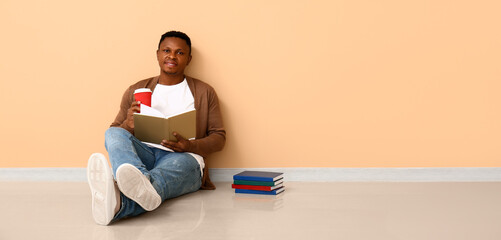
142	96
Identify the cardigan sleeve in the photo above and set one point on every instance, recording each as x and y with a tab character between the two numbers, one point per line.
125	104
213	137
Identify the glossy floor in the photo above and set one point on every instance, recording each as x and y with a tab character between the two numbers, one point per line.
304	211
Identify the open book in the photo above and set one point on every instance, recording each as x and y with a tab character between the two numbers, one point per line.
151	126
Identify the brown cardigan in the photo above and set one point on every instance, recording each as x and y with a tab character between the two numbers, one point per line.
211	135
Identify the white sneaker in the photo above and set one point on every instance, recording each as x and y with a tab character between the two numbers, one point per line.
102	188
133	184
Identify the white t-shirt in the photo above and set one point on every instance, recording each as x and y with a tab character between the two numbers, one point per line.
172	100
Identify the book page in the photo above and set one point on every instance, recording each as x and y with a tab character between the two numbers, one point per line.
158	146
173	115
149	111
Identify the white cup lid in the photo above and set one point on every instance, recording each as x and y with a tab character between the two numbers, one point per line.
141	90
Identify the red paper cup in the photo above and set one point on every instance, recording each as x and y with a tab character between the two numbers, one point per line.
143	95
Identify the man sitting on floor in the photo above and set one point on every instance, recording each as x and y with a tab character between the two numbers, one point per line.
146	176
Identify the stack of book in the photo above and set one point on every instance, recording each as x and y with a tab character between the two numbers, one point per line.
258	182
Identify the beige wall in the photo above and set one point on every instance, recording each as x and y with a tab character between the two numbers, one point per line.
302	83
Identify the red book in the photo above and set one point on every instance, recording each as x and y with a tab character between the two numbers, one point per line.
259	188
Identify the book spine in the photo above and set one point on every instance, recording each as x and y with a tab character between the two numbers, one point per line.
255	183
251	178
251	187
274	192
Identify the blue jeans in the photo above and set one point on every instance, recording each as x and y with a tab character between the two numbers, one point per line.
172	174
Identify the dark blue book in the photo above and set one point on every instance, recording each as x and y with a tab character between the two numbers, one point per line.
272	192
258	176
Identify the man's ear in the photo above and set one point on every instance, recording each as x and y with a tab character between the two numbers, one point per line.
189	60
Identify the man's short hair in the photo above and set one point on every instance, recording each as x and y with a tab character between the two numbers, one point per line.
178	35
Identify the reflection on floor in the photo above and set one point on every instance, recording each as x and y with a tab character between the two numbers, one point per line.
38	210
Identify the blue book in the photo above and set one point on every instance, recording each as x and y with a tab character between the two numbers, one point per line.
258	176
272	192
